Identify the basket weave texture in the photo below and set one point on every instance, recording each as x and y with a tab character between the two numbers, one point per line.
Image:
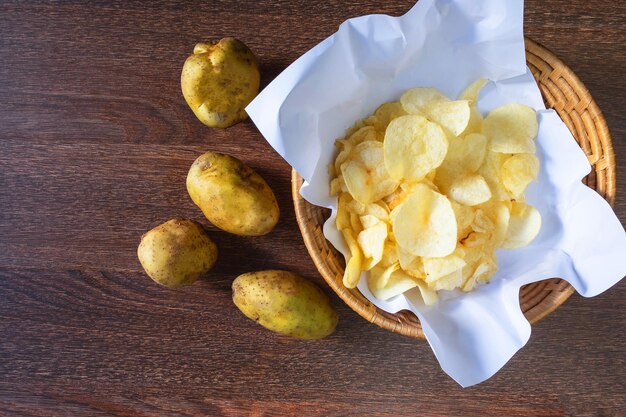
563	92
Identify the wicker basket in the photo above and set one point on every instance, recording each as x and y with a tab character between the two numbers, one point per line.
562	91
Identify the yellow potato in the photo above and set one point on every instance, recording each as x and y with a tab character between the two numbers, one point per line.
425	224
365	175
285	303
231	195
177	253
416	99
518	171
511	128
219	80
413	147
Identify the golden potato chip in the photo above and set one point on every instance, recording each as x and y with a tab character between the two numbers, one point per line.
378	209
407	260
436	268
364	134
483	272
385	114
353	267
490	171
482	222
355	223
524	225
518	171
464	217
413	147
511	129
365	175
448	282
336	185
465	155
452	115
471	93
379	276
470	190
425	224
368	220
399	282
499	214
343	213
428	296
416	99
390	253
372	241
475	239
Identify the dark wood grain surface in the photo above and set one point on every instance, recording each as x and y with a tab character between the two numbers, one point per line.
96	141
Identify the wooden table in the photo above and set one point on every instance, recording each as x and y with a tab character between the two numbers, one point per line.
96	140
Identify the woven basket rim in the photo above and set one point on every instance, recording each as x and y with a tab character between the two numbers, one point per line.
542	297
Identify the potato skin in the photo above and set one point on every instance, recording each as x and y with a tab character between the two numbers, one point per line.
285	303
219	80
231	195
177	253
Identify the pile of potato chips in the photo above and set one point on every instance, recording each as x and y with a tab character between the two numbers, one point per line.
428	190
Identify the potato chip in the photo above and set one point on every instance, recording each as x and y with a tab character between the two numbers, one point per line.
343	213
448	282
499	215
372	241
490	171
355	223
483	272
413	147
467	153
511	129
364	134
482	222
471	93
475	239
407	260
518	171
385	114
464	217
524	225
399	282
390	252
428	296
353	266
365	175
378	209
416	99
470	190
436	268
425	224
369	220
379	276
336	185
452	115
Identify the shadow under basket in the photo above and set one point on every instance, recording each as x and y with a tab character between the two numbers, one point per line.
562	91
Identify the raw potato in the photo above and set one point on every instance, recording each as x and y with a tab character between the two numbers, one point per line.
177	253
231	195
285	303
219	80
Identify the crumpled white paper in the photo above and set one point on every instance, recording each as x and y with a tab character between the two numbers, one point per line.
448	44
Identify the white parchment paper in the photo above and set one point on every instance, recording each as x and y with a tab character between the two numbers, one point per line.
448	44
